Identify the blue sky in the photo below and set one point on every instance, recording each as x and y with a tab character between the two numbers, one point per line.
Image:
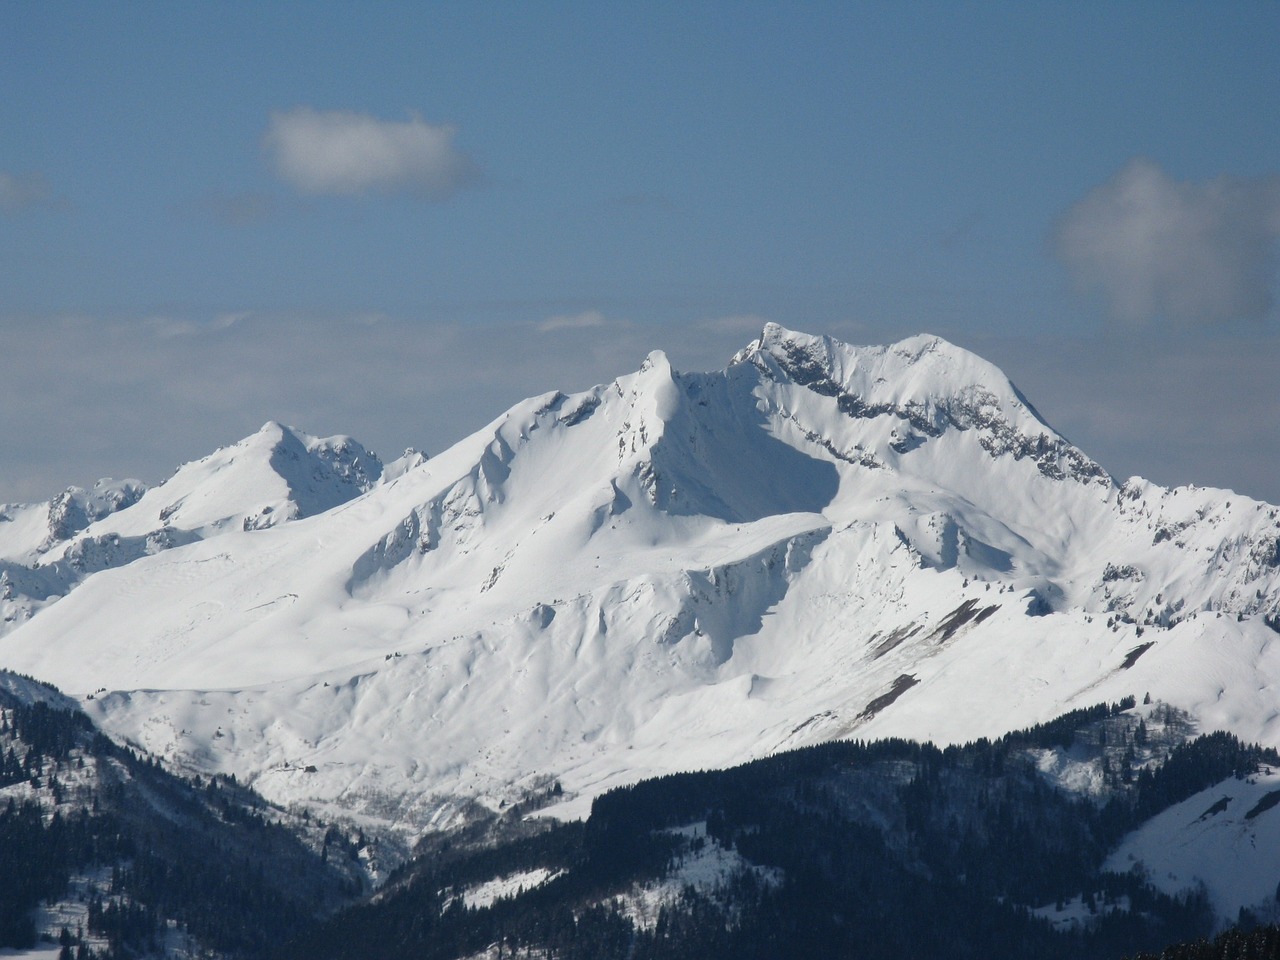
393	220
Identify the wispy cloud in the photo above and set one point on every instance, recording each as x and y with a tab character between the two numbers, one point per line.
136	397
22	191
745	324
1159	248
342	152
574	321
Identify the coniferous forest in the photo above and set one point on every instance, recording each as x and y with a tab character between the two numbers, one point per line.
208	859
884	849
847	849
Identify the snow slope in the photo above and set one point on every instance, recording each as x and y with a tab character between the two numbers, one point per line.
276	475
1223	839
666	572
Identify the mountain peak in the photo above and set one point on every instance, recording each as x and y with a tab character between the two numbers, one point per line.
271	476
926	361
774	334
929	384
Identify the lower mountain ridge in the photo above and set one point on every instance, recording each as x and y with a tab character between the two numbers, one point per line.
670	572
1022	846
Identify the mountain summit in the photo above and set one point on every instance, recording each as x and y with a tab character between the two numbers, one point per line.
926	385
276	475
666	572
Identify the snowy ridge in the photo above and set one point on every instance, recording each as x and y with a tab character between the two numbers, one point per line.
928	386
28	530
666	572
276	475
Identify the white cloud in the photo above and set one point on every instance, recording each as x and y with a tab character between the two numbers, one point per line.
224	320
20	191
1156	247
342	152
574	321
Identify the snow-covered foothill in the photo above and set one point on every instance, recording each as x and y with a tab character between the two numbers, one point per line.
1223	840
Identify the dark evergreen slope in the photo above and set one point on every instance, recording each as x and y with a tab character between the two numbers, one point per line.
1260	944
211	857
884	849
881	849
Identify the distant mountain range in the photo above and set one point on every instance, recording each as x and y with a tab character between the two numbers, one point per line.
670	572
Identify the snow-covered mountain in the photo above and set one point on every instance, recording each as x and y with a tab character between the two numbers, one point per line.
276	475
666	572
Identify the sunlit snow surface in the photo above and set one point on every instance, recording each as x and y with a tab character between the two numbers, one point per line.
667	572
1225	839
487	893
